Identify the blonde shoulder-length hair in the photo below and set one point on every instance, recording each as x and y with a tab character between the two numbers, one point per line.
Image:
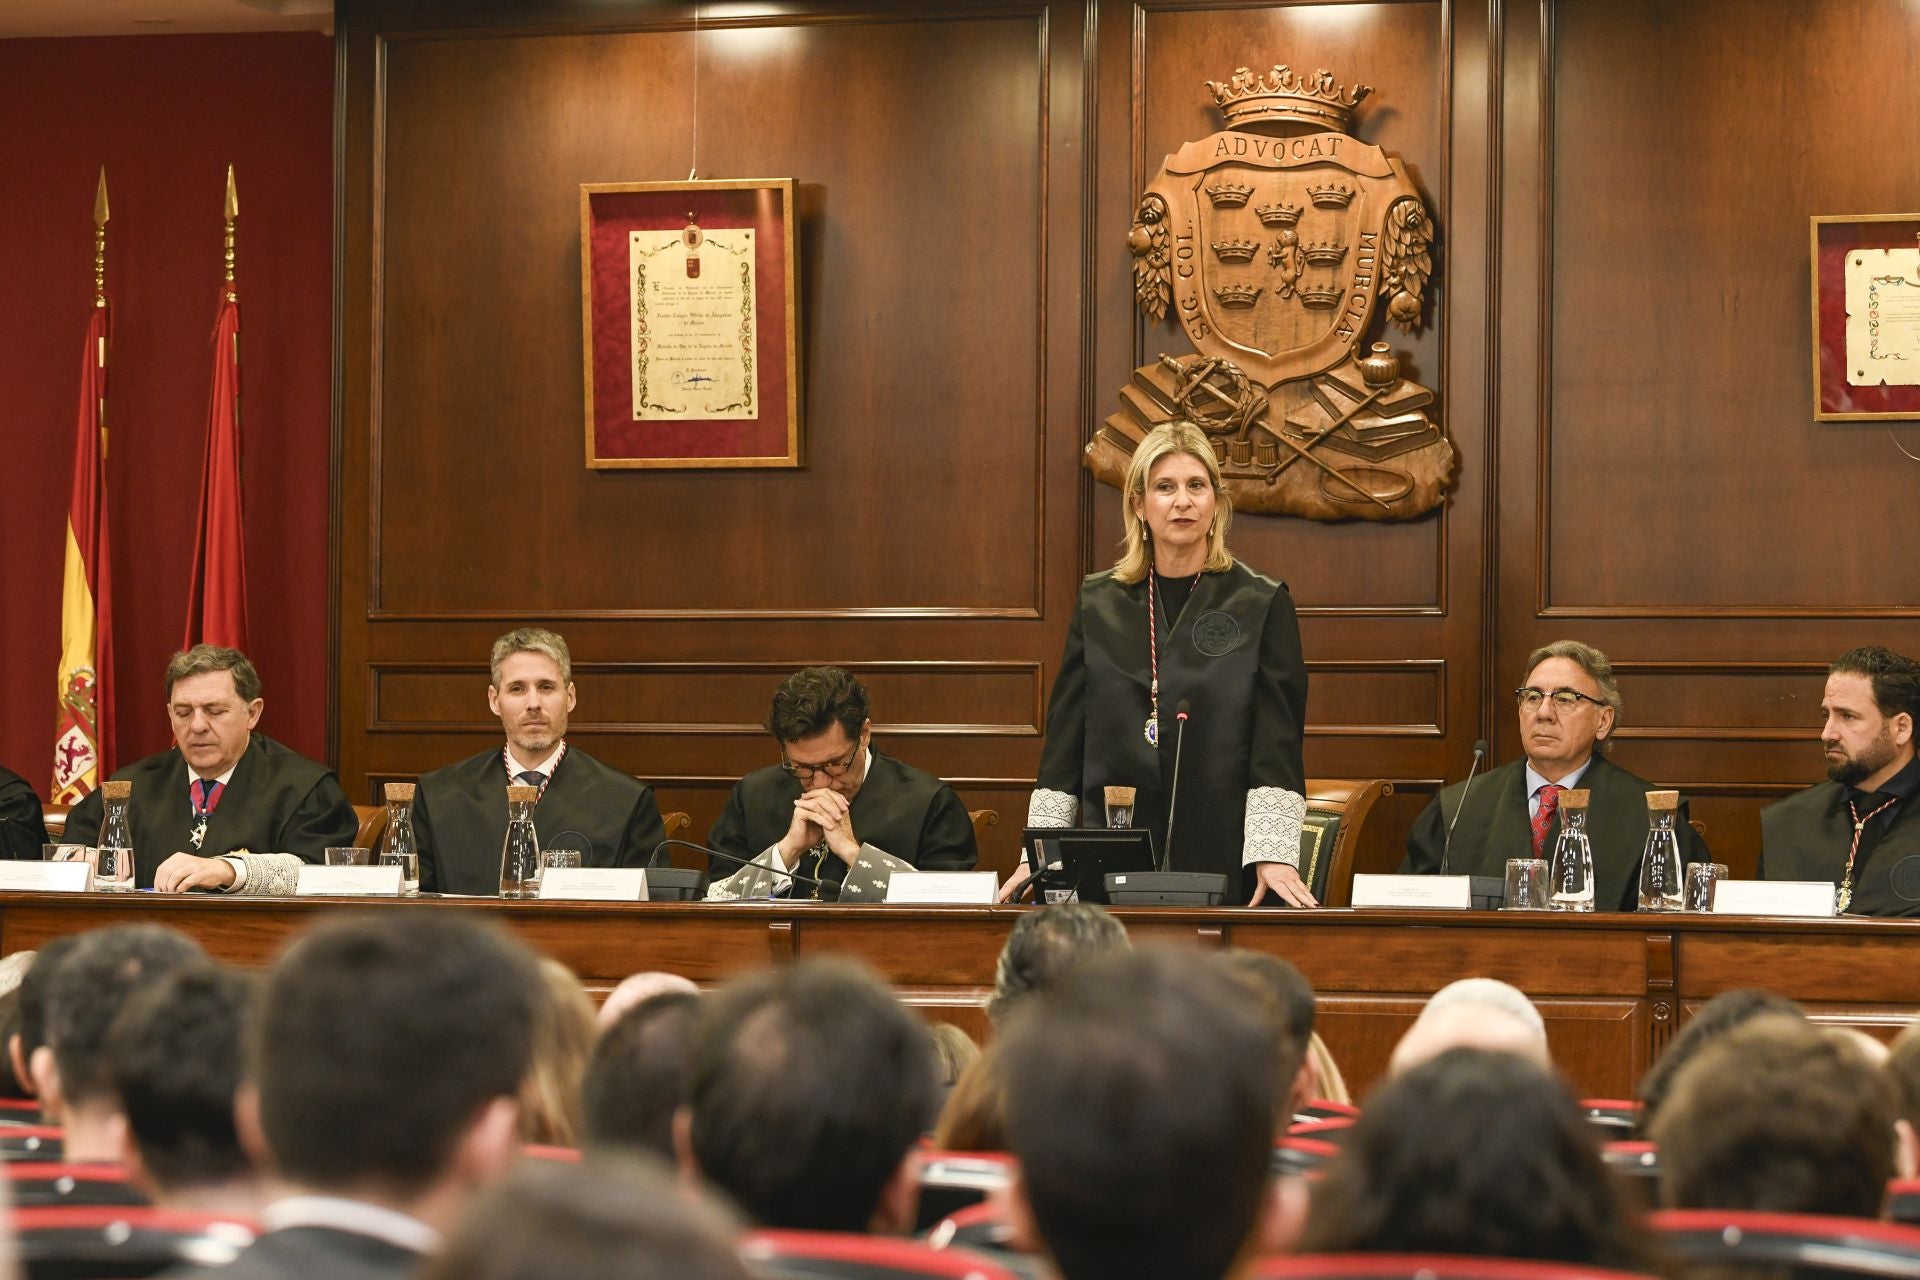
1163	441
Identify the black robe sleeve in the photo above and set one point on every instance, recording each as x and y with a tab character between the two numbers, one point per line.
1063	757
323	819
23	825
946	839
1279	702
83	820
729	834
644	831
423	841
1426	840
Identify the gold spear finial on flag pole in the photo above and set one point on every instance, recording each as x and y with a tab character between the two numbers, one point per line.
233	212
100	240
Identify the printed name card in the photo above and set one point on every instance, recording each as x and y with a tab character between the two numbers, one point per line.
594	884
348	882
927	887
1775	898
1433	893
46	877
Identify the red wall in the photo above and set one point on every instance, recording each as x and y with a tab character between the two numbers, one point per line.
165	114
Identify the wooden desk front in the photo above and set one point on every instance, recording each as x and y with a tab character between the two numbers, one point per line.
1611	987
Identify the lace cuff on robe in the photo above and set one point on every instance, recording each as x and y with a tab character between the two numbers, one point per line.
1274	815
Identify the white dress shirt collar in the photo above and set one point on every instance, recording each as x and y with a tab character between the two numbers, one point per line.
355	1216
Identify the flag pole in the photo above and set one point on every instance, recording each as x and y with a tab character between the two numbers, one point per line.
100	216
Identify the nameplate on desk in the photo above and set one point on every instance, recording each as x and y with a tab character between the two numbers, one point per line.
1432	893
927	887
46	877
347	882
594	884
1815	898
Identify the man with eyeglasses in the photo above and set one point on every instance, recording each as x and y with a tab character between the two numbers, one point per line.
833	801
1568	705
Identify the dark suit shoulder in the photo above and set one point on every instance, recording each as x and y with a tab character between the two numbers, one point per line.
902	778
310	1253
467	775
1604	775
601	774
1821	798
286	762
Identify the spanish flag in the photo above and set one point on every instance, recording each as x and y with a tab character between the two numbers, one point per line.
83	744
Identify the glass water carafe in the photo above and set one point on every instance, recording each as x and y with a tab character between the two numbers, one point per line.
113	863
1570	874
520	851
1662	882
398	848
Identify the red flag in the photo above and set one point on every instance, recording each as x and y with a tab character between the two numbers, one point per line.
83	739
217	599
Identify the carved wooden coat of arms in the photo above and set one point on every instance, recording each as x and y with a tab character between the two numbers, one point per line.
1277	242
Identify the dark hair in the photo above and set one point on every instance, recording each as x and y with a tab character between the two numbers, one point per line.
1283	994
1150	1060
10	1086
204	659
618	1218
1895	678
1474	1152
33	995
636	1077
94	982
1903	1068
174	1057
1045	945
813	700
380	1039
1709	1022
1778	1117
807	1088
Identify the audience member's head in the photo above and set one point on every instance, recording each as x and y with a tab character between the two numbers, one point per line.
639	988
975	1115
93	983
953	1052
32	1033
1474	1013
1903	1069
562	1039
13	972
1715	1018
1045	945
174	1058
1283	994
1154	1060
636	1076
616	1219
388	1055
1473	1152
1778	1116
806	1090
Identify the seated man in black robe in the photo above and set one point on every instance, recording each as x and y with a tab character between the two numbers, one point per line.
833	800
223	789
460	811
1860	828
23	823
1568	703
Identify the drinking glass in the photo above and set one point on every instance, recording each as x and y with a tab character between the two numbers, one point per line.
1526	884
1701	878
1120	807
349	857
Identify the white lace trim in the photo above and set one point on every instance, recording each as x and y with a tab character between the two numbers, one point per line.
269	875
1051	808
1274	815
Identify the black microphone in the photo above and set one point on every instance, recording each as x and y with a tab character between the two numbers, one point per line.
1446	847
1173	790
821	885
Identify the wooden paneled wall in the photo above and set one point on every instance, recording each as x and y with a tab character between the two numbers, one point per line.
1620	350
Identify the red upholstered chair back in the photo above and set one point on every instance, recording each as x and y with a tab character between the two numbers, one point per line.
40	1142
1903	1200
1330	1129
834	1255
1794	1244
952	1180
103	1242
1326	1109
1424	1266
17	1111
1302	1157
1614	1118
981	1227
35	1183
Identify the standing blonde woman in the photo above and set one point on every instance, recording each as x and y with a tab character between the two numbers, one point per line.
1178	619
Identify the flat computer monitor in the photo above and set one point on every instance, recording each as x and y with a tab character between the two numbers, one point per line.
1076	860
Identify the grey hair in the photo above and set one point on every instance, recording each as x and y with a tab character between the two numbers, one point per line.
205	659
1045	944
531	640
1488	993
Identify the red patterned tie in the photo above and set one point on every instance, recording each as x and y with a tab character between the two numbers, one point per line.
1549	805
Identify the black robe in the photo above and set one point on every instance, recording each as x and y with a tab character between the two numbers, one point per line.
460	818
278	802
899	809
1234	654
23	822
1496	826
1806	836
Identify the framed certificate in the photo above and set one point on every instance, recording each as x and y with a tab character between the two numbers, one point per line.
1866	317
691	334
